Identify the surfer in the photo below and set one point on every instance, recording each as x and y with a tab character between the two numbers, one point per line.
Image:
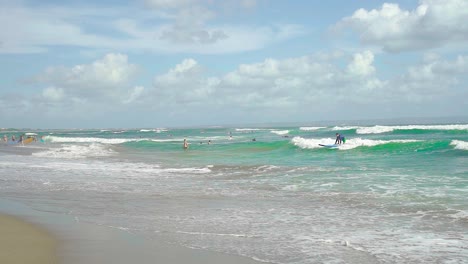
185	144
339	139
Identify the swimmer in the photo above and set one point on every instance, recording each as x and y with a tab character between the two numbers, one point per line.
186	145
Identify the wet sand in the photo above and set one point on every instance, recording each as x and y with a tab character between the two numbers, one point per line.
76	242
23	243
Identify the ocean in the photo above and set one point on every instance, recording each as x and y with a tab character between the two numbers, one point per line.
393	193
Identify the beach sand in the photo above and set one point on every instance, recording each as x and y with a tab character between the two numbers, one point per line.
23	243
79	242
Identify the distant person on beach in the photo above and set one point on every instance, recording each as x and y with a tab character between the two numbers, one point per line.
5	138
13	138
185	144
339	139
21	139
209	142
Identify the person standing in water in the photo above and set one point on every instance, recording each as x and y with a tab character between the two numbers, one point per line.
339	139
185	144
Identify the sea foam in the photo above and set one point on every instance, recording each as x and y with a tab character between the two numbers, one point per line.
77	151
350	143
56	139
385	129
310	128
459	144
280	132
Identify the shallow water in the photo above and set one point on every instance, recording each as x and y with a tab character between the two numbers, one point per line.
391	194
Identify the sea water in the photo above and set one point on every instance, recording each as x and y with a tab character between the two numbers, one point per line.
393	193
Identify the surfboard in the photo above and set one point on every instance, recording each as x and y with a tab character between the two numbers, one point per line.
329	145
28	140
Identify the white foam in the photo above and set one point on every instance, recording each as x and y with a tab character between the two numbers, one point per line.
459	144
337	128
89	140
359	142
77	151
310	128
251	129
188	170
157	130
385	129
310	143
350	143
280	132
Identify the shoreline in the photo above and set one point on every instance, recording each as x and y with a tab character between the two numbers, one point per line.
75	242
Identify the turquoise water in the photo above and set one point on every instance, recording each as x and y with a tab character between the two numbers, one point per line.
390	194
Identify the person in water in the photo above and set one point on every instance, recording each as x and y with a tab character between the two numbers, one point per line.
339	139
185	144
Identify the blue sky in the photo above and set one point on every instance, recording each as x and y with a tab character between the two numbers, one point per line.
162	63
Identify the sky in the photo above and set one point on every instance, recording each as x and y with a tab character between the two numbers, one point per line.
166	63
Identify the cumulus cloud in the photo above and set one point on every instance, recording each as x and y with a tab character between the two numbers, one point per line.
433	24
307	82
434	79
362	64
321	85
134	94
108	77
269	84
183	84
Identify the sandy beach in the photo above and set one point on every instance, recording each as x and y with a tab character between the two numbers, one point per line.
23	243
38	237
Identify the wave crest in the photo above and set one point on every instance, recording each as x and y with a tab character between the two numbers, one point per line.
459	144
350	143
385	129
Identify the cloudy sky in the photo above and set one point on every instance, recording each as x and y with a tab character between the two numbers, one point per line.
162	63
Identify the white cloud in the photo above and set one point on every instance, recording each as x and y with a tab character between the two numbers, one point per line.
433	80
107	77
308	82
362	64
434	23
53	94
134	94
181	26
184	84
269	84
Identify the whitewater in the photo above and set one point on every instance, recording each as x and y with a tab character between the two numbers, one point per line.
393	193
